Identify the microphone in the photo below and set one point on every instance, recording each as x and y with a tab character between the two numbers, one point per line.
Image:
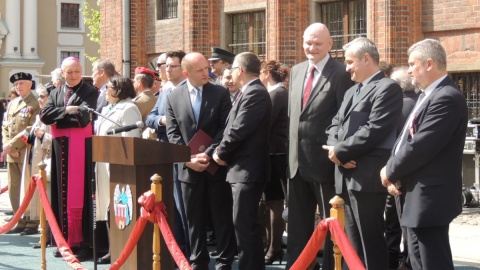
139	124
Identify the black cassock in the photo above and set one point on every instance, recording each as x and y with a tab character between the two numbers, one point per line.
72	168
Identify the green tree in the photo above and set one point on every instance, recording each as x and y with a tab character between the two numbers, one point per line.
92	20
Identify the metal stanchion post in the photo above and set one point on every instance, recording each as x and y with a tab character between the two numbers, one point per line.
156	188
338	212
43	221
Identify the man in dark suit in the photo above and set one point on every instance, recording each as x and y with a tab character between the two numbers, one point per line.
194	106
311	109
360	139
244	149
427	159
102	70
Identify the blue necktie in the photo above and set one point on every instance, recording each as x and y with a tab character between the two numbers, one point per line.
357	91
196	103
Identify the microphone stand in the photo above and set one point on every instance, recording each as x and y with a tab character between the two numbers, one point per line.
101	115
94	218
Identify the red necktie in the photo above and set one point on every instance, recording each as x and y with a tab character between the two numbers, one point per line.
308	86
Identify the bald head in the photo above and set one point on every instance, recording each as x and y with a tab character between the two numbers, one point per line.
316	42
195	68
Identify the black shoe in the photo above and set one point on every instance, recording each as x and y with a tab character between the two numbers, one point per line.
83	254
104	260
15	230
269	260
37	245
9	213
7	219
29	231
56	253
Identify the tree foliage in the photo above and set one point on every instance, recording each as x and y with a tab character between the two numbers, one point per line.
92	21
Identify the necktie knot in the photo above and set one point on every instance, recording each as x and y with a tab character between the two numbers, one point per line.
359	88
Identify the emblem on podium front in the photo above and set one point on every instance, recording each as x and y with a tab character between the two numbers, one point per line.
123	205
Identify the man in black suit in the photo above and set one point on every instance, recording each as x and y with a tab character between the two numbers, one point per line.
244	149
193	106
311	110
360	139
427	159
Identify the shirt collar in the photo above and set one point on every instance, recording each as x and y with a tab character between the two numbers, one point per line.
320	65
280	84
433	85
370	78
247	84
191	87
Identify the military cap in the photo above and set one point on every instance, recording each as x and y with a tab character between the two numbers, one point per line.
219	53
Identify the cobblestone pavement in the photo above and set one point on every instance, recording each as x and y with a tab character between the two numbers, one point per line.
469	216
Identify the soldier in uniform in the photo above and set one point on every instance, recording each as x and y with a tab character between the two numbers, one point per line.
21	114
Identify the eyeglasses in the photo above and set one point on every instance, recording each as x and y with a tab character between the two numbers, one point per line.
172	66
160	64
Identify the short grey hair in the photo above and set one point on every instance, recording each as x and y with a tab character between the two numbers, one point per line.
107	66
57	76
362	45
430	48
401	76
41	90
249	62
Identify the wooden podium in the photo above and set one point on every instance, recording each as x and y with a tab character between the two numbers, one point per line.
132	162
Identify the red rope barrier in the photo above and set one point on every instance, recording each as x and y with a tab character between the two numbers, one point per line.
5	188
57	234
310	251
155	213
150	211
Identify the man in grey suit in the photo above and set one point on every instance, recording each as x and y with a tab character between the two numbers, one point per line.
360	139
317	87
427	158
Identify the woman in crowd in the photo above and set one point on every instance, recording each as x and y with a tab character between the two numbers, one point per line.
40	139
121	110
272	76
57	78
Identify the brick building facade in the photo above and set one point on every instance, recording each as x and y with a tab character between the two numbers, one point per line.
273	29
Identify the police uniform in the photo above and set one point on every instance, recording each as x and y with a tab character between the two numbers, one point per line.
20	117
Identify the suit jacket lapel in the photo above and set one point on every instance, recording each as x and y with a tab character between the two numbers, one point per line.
296	98
188	103
371	85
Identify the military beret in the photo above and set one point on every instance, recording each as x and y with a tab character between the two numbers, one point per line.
143	70
22	76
